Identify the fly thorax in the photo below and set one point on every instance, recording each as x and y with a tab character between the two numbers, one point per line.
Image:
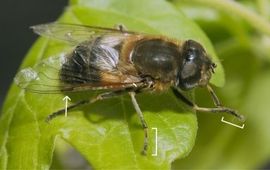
156	58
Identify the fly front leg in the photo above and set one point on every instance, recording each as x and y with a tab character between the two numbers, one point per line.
214	96
217	109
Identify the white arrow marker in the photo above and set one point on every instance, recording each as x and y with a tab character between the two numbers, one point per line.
66	98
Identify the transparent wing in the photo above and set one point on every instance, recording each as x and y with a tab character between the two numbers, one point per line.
45	78
72	33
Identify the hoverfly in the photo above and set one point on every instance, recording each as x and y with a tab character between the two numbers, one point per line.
120	61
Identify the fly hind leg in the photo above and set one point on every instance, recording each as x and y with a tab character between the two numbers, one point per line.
102	96
133	90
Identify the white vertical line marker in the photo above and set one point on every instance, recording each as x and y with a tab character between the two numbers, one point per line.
156	133
241	127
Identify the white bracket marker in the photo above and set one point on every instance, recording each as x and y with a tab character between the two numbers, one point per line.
232	124
155	154
66	98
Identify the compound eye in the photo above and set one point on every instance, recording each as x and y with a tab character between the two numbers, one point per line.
190	73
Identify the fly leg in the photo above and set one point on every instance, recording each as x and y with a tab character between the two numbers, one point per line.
214	96
133	89
121	27
217	109
143	122
102	96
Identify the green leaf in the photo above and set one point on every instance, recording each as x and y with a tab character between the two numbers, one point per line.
108	133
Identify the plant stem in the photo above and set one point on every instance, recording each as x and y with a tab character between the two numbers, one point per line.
258	22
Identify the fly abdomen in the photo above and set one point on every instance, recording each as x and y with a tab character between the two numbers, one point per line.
90	60
79	67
